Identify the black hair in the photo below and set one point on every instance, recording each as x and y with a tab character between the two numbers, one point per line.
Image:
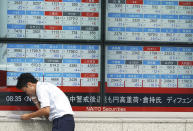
24	78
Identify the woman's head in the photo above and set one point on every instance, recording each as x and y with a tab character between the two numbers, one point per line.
27	83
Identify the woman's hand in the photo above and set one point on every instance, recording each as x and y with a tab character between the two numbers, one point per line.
34	99
25	117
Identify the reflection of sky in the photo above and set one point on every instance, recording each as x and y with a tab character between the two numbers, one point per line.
3	56
5	66
2	66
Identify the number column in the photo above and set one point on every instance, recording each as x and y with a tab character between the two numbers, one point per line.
115	14
185	67
133	66
133	20
90	65
185	11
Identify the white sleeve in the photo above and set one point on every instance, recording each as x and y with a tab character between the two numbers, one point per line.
43	97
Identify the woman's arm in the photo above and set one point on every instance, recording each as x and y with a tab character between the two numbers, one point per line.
35	101
41	112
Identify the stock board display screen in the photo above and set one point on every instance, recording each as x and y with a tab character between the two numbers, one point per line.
51	19
149	20
75	69
149	76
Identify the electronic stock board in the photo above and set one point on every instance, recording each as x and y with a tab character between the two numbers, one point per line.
149	20
137	78
51	19
149	78
75	69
